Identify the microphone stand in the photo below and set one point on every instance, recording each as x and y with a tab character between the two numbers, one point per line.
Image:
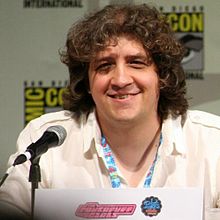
34	178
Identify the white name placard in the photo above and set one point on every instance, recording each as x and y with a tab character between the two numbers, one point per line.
122	204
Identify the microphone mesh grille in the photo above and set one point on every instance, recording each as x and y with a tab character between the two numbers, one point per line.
60	132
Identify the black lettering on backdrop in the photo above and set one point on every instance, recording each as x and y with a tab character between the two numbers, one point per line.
52	4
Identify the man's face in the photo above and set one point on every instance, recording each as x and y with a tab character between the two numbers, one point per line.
123	84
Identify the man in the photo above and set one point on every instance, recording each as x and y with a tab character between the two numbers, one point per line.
125	113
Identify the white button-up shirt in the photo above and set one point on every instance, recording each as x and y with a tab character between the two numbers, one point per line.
189	156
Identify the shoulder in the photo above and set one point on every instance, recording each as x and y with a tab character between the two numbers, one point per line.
203	119
35	128
51	119
64	118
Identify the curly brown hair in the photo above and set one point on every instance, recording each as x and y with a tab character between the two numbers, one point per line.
147	25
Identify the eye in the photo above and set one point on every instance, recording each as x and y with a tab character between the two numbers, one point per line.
138	64
189	56
193	44
103	67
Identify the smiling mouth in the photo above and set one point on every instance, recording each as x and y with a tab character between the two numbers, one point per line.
121	96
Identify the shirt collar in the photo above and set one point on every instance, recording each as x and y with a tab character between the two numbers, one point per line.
172	132
91	133
173	137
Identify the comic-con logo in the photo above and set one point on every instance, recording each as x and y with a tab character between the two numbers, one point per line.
188	24
151	206
40	99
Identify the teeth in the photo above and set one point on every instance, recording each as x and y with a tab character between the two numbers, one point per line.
121	96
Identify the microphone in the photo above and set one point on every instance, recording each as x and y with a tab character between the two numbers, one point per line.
53	136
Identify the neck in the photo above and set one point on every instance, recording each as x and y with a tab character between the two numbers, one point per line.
134	149
133	145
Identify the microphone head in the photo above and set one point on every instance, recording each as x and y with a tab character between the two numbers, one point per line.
60	131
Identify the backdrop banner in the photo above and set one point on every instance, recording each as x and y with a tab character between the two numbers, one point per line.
32	78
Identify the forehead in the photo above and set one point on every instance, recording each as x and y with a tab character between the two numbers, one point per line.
122	45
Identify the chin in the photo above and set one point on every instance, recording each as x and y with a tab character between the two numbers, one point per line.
124	117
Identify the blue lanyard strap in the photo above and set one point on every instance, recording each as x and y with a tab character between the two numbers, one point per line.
113	170
111	165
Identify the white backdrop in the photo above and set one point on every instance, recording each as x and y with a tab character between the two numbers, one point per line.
32	32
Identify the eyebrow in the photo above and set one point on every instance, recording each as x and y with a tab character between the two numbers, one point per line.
138	56
111	57
101	59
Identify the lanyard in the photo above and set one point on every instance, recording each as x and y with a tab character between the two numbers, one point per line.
113	170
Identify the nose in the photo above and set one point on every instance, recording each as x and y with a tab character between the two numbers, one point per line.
121	77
